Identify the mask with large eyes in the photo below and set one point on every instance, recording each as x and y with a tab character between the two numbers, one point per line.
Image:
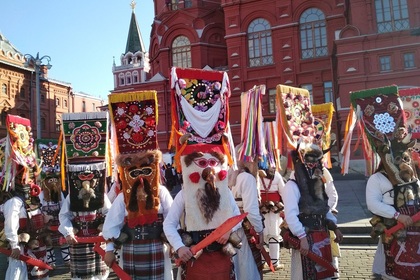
135	172
139	174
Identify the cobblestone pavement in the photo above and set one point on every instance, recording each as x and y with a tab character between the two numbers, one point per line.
354	265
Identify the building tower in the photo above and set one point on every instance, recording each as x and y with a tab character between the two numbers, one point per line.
134	61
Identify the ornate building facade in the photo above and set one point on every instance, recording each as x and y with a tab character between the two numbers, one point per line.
330	47
18	94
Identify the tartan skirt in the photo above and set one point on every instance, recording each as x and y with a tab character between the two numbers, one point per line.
144	259
85	262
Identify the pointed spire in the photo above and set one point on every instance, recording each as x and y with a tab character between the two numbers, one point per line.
134	40
133	5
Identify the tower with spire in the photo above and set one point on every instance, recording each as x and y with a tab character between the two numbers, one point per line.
135	60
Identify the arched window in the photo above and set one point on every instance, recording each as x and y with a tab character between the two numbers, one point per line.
313	34
391	15
57	125
135	77
128	78
122	79
4	89
181	52
260	46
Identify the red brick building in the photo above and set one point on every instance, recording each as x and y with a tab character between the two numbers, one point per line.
330	47
18	94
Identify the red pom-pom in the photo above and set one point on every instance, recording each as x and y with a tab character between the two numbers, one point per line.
222	175
195	177
35	190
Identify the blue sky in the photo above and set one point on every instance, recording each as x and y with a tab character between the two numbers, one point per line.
80	36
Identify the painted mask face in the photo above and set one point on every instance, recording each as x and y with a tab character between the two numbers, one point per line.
51	186
134	173
87	186
198	166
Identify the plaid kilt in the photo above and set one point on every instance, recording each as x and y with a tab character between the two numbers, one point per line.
85	262
144	259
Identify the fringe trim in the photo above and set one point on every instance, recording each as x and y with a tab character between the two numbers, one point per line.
132	96
84	116
86	167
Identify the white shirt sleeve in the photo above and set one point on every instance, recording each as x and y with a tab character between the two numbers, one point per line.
236	212
291	196
165	200
171	222
247	185
114	221
65	217
107	205
13	209
330	190
62	199
112	194
378	196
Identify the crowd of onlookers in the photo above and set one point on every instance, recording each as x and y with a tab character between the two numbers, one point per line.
171	179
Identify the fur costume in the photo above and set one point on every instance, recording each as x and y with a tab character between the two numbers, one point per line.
134	121
141	195
203	143
306	208
201	133
393	187
313	197
24	222
134	223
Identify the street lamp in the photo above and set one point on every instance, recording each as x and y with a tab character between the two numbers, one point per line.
38	64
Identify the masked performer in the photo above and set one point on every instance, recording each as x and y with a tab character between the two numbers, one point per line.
306	210
392	191
139	210
307	214
200	134
83	211
51	197
24	224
